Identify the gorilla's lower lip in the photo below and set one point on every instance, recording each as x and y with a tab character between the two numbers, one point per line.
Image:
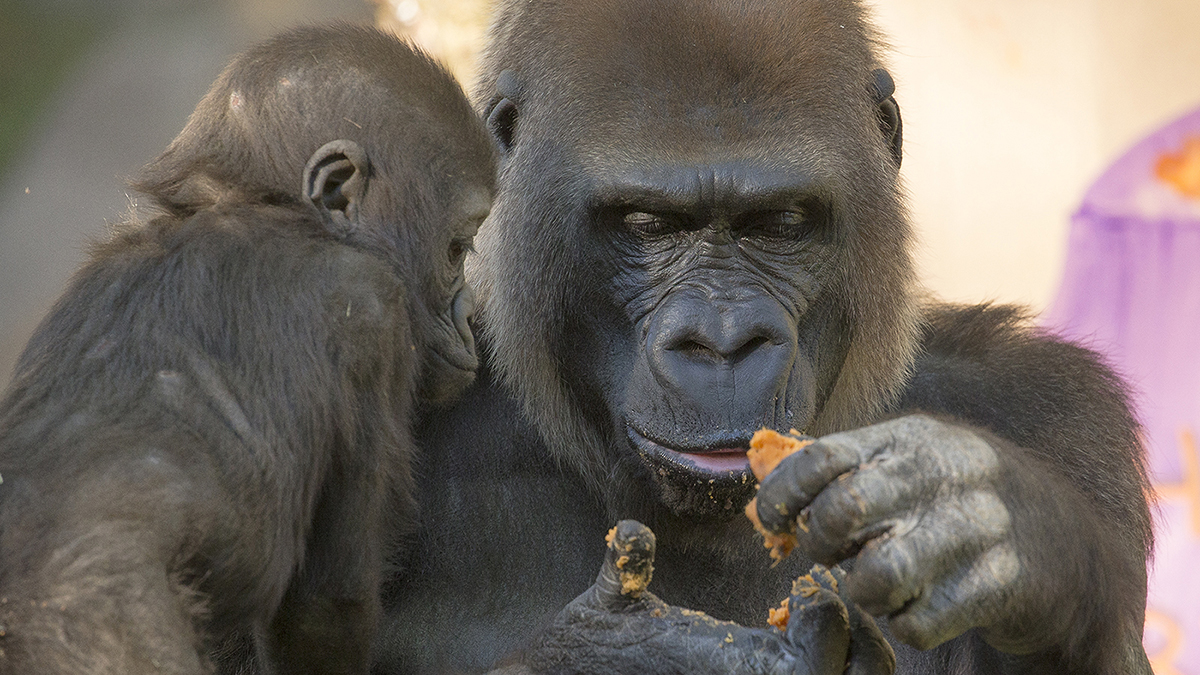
724	463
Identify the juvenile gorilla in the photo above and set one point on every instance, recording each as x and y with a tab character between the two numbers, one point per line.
699	232
207	433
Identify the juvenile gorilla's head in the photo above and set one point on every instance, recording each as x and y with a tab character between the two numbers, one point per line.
698	232
374	138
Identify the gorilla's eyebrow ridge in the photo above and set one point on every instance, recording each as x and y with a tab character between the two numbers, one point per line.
689	188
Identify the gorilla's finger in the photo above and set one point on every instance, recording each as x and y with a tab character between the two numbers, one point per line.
883	493
800	477
818	627
918	552
948	609
627	569
870	653
855	508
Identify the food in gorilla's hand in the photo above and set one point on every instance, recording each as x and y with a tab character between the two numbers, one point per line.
803	587
767	450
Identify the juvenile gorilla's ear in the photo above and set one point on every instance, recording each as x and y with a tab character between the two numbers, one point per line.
335	181
882	89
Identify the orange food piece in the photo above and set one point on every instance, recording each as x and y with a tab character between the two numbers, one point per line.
781	545
769	447
806	586
779	617
633	584
767	450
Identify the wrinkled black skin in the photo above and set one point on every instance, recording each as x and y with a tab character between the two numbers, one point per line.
205	437
698	232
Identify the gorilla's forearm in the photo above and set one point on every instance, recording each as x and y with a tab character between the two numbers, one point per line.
1084	597
1074	480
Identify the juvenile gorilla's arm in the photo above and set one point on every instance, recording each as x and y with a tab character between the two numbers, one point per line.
1022	515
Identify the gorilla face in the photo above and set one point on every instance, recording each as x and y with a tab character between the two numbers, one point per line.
697	234
445	301
719	271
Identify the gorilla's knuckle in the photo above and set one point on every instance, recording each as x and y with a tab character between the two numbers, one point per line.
919	425
916	629
840	508
998	567
985	514
892	565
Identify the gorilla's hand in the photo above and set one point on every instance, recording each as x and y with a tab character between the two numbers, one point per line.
616	626
934	513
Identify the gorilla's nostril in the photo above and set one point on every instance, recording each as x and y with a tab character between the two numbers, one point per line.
749	347
698	351
695	350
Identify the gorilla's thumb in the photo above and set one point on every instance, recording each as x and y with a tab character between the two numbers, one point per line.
628	566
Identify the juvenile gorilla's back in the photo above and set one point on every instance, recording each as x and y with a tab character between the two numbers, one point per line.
178	423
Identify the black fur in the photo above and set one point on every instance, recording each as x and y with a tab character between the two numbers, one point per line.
205	436
699	231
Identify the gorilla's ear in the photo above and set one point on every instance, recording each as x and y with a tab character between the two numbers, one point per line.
335	182
882	89
502	114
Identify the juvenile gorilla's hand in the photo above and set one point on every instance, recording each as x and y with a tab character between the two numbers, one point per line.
919	501
616	627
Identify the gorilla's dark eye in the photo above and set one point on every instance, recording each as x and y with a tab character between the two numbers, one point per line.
651	223
775	224
458	251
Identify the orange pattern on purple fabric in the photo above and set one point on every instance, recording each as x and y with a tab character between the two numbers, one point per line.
1181	170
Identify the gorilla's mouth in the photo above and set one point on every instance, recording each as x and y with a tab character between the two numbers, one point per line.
721	457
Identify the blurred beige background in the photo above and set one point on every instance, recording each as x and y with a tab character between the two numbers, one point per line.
1011	108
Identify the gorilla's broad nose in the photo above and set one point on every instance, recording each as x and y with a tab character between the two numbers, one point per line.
727	357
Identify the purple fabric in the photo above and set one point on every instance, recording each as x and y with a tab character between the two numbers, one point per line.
1131	290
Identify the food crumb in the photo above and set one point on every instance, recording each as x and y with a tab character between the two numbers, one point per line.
805	586
779	617
633	584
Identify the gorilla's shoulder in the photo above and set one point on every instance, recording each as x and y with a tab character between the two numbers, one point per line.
483	430
994	366
956	338
971	331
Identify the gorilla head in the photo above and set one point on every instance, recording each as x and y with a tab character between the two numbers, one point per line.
698	232
410	167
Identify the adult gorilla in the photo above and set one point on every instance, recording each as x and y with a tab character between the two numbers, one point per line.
699	232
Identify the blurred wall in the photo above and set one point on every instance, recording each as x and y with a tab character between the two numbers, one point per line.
1011	108
451	29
